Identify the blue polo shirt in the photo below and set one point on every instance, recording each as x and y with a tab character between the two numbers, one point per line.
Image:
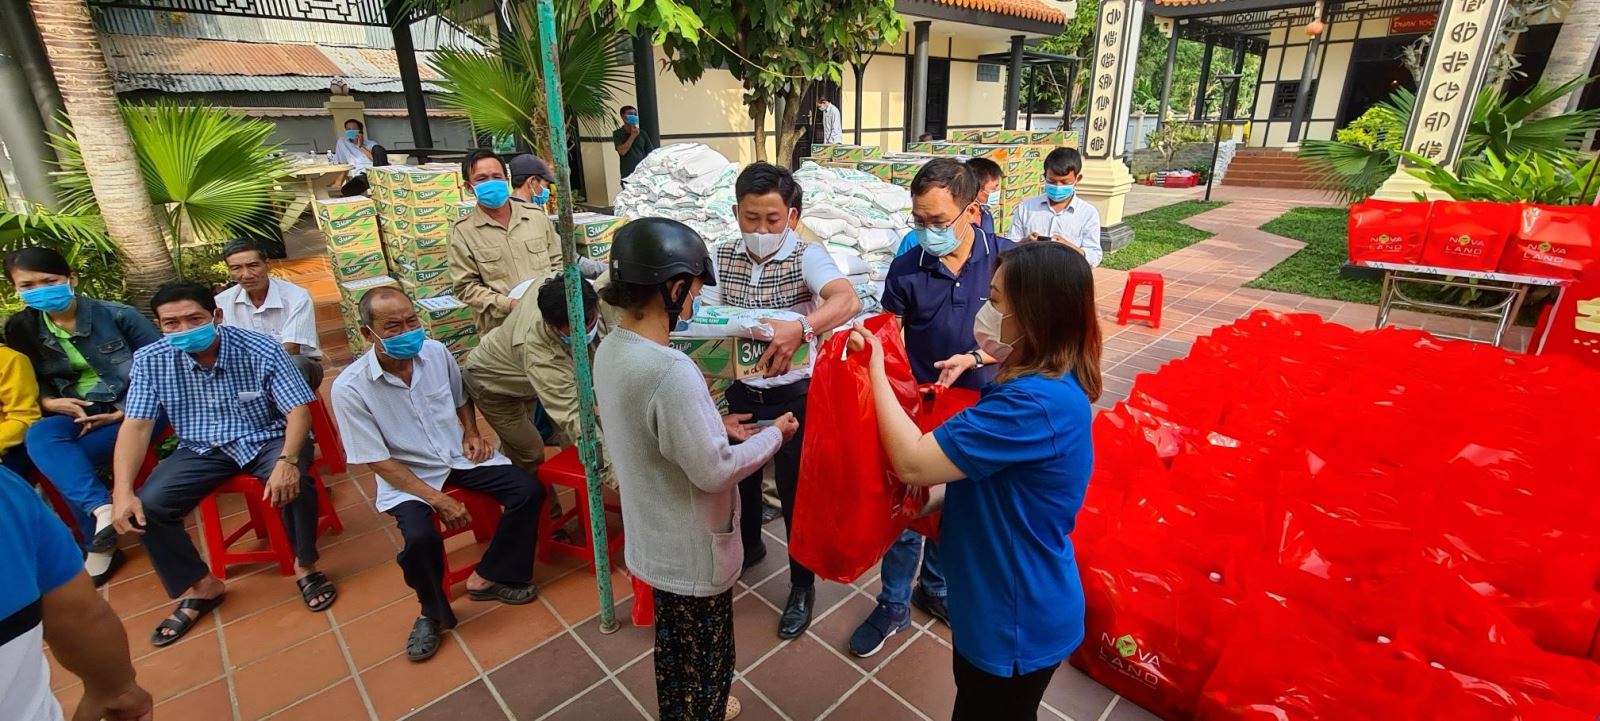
1016	602
938	307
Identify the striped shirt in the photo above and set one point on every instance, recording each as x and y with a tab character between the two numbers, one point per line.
236	406
381	418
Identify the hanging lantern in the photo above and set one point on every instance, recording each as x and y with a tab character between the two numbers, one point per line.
1316	26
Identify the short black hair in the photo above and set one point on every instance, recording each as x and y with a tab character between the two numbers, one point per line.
477	155
181	290
761	178
242	246
987	170
925	137
950	174
623	111
1063	161
359	125
552	301
364	308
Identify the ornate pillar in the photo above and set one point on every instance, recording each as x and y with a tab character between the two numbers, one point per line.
1458	61
1106	179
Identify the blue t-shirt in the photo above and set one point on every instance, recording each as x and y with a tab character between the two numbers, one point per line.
1016	601
938	307
37	556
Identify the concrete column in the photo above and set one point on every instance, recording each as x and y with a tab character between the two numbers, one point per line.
1302	98
1014	81
919	82
1111	64
1166	76
644	87
1204	91
1458	62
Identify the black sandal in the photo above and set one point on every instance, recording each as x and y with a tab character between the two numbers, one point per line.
180	623
423	642
506	594
314	585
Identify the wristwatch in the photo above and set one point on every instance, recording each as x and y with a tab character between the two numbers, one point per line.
806	331
976	358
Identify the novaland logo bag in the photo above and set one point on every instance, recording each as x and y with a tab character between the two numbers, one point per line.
1388	232
1553	241
1468	235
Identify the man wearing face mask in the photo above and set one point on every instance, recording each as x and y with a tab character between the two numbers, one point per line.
832	124
1059	214
237	404
632	145
988	199
530	180
769	268
358	151
402	411
937	290
499	244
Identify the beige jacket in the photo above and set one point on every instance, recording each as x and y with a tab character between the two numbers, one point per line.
487	260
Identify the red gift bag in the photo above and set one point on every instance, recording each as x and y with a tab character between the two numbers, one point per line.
1553	242
1468	236
938	404
849	507
1388	232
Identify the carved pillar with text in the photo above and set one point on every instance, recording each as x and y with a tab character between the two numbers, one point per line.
1106	179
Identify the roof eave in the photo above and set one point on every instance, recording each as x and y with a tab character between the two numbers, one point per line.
1222	7
968	16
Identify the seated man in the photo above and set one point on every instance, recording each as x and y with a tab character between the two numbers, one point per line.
527	361
271	306
401	411
237	405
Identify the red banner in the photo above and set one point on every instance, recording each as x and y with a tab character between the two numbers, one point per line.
1416	23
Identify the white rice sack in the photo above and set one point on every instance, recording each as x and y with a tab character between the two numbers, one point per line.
826	228
849	264
877	240
722	321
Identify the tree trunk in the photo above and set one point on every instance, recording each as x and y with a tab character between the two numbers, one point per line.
788	134
1572	55
73	47
758	115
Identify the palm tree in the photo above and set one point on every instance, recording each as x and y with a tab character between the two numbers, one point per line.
1572	55
73	47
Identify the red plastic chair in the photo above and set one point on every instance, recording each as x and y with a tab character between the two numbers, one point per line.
566	471
64	509
485	511
1149	310
264	521
644	603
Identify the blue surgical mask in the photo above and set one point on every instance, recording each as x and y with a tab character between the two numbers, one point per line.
992	202
492	193
694	310
351	133
589	338
194	340
631	119
1058	193
404	346
48	298
939	242
542	198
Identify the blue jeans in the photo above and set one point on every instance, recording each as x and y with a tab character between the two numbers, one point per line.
69	461
900	567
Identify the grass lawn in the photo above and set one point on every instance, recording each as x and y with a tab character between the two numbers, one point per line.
1159	232
1314	270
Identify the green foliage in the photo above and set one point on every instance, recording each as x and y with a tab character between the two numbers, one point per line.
1377	129
667	18
1158	232
1314	270
1525	177
210	172
81	238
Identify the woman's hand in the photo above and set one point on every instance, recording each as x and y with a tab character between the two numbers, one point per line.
951	368
69	407
89	423
861	338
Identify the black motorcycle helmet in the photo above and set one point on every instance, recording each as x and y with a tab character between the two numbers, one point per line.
655	251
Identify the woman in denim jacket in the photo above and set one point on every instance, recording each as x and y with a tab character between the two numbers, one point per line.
82	352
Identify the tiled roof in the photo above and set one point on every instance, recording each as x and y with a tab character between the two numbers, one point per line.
1030	9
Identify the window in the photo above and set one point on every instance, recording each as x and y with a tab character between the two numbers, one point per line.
988	73
1283	96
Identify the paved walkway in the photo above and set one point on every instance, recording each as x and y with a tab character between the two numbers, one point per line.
262	655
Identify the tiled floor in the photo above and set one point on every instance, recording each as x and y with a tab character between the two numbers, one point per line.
263	656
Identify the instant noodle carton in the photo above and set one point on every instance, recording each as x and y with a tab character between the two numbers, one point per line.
719	394
348	265
464	209
335	214
924	146
1006	136
967	136
730	358
592	233
425	283
821	151
906	170
883	169
853	153
443	313
998	153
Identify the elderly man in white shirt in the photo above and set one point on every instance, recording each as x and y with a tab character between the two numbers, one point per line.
402	411
271	306
359	152
1059	214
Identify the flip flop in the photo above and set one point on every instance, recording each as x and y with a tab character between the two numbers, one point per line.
507	594
180	623
316	584
423	642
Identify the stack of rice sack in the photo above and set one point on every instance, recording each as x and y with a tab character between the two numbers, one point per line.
857	215
688	182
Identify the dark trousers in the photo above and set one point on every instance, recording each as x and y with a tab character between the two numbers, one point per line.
766	405
354	186
185	478
983	696
694	656
508	560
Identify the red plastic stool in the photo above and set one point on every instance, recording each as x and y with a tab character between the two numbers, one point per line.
566	471
264	522
64	509
644	603
1151	309
485	512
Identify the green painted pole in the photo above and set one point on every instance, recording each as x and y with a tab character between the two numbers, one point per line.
588	446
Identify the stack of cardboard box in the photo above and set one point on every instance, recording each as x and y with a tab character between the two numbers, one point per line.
350	293
355	253
592	232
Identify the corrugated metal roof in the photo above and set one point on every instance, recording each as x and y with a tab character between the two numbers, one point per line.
192	83
429	34
187	65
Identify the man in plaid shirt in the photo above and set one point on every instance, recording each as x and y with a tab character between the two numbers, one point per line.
237	404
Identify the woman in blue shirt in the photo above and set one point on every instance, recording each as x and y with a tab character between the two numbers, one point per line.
1018	463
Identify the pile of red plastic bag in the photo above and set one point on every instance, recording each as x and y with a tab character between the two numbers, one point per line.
1304	521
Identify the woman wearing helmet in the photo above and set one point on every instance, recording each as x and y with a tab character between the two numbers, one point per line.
676	466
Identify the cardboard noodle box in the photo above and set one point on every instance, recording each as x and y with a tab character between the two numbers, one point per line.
592	233
731	358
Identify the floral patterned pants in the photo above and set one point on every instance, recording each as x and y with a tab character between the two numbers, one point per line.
694	656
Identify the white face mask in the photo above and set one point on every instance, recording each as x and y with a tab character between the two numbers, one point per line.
986	329
764	245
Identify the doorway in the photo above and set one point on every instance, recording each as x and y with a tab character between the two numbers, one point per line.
938	117
1376	71
809	122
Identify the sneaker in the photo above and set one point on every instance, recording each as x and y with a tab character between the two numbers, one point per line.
884	622
932	605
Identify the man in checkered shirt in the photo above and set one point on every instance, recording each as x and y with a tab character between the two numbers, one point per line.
237	404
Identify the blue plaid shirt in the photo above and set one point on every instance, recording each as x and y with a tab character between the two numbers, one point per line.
236	406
